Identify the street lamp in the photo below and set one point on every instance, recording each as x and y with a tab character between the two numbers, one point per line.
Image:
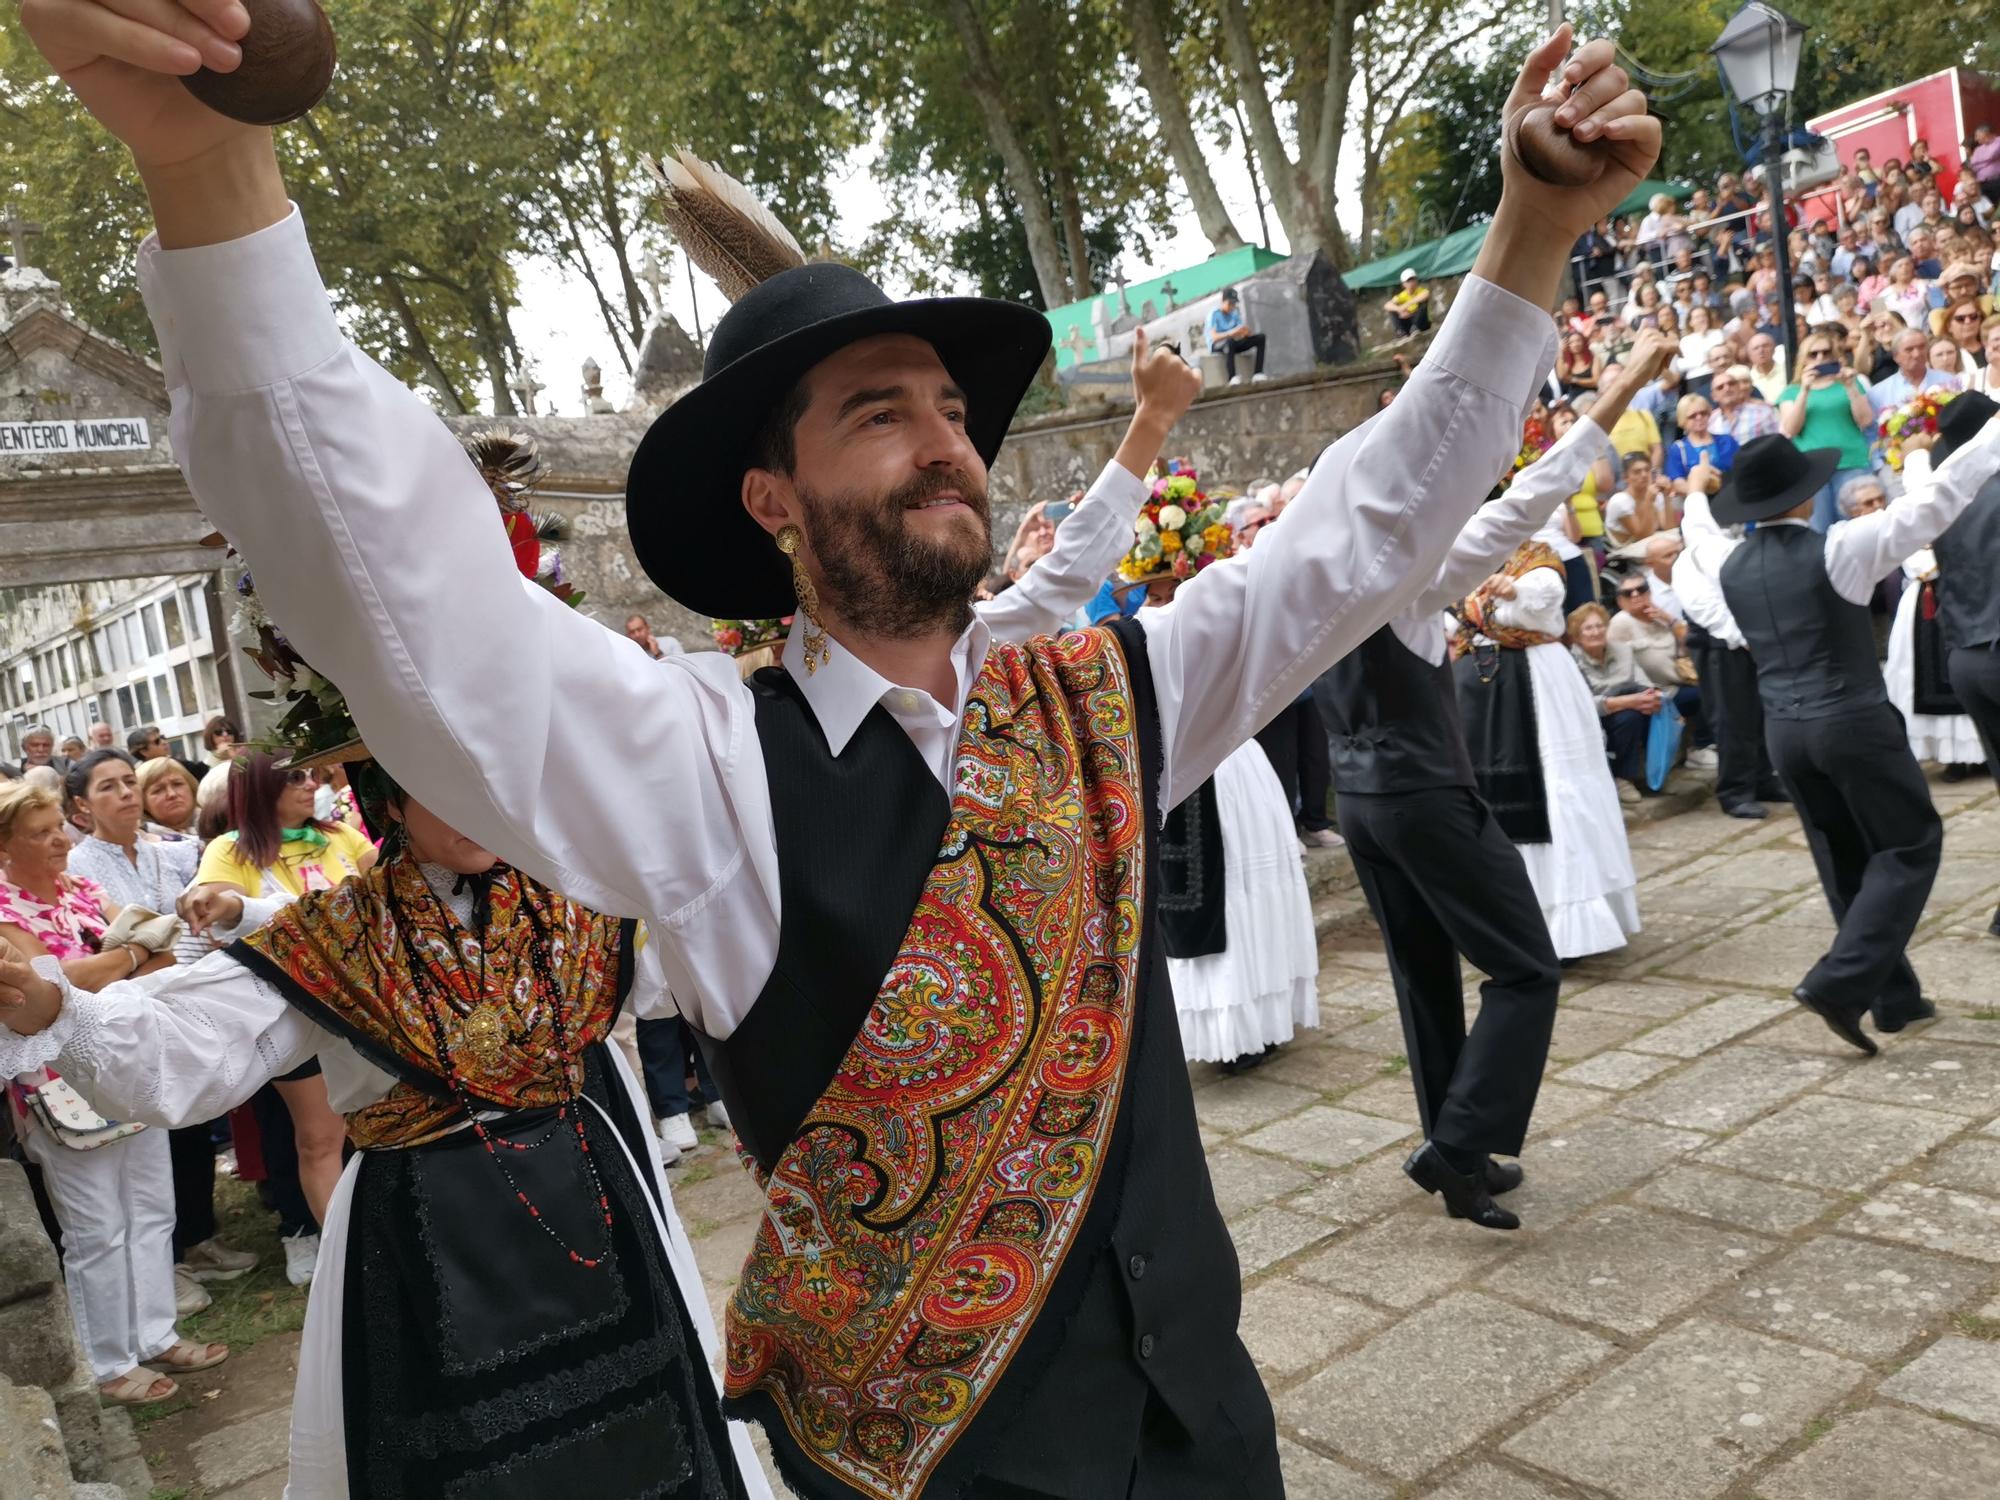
1758	55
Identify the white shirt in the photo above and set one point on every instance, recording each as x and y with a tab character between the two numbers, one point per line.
1861	552
637	786
152	878
1664	595
1489	538
1705	547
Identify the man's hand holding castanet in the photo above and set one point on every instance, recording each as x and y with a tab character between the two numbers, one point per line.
210	178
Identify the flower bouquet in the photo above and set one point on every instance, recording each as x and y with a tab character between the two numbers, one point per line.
1918	414
1179	531
741	637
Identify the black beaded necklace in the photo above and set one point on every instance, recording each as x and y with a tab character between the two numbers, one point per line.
435	993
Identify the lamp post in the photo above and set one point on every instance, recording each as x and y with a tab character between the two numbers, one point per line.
1758	56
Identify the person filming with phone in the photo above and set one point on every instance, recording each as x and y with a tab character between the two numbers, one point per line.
1828	408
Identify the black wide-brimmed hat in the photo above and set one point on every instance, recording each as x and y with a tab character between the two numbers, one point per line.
683	497
1771	475
1959	423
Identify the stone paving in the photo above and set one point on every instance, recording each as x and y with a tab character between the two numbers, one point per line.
1755	1265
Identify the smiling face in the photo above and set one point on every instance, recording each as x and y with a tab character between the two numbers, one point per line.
886	485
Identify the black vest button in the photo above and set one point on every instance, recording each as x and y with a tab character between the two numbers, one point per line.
1145	1346
1137	1266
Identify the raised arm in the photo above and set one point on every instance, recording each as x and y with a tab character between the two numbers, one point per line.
1862	552
1385	503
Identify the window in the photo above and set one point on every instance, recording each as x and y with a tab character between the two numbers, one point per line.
126	712
184	680
104	705
115	657
170	611
144	696
155	644
135	641
163	698
99	656
194	604
211	689
62	661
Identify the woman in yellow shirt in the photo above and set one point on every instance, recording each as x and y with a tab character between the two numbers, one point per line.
276	848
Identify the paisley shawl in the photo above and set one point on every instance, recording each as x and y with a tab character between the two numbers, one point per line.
1475	612
338	957
917	1222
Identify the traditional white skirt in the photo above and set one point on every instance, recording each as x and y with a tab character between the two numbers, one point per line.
1265	984
1583	875
1948	739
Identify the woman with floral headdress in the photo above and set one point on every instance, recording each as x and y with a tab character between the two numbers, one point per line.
505	1300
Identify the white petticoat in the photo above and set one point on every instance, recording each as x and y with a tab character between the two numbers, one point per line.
1948	739
1265	984
1583	875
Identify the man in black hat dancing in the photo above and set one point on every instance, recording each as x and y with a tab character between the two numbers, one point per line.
1968	583
902	886
1801	601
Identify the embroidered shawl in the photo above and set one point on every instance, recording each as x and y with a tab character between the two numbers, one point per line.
918	1221
1476	612
337	955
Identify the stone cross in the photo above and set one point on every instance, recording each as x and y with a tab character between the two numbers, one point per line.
1170	291
656	278
526	388
1076	343
18	232
1124	306
594	403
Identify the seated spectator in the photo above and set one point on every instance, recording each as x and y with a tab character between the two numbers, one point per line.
1988	378
1966	197
1659	650
1960	283
1701	337
1907	295
1634	512
1948	360
1697	444
1625	702
1913	373
1409	307
1663	549
1635	431
1837	306
1577	365
1861	496
1738	410
1767	366
1963	321
167	799
1230	333
1868	285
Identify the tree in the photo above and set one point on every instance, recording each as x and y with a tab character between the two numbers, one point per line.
1158	73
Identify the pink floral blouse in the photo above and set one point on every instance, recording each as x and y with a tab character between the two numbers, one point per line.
68	929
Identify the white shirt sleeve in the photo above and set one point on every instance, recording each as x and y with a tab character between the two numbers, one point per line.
1537	603
1862	552
1088	545
175	1052
521	722
1371	527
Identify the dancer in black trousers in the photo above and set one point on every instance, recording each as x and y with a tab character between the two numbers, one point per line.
1744	780
1440	875
1968	586
1802	603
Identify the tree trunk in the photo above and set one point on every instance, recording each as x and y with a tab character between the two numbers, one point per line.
983	80
1318	166
1156	72
1280	175
420	347
614	224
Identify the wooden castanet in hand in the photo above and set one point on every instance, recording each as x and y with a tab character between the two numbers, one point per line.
288	56
1551	153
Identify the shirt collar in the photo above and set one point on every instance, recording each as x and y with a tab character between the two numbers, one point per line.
844	689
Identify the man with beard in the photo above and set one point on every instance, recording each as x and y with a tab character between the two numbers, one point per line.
903	887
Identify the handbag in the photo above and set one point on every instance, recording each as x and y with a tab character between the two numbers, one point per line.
1685	670
138	927
67	1116
1663	742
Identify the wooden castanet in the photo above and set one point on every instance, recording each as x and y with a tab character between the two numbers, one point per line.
288	57
1551	153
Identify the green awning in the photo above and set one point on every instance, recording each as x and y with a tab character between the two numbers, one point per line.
1454	254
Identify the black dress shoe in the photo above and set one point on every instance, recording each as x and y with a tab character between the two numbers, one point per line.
1748	810
1772	793
1502	1176
1993	927
1465	1197
1843	1024
1894	1018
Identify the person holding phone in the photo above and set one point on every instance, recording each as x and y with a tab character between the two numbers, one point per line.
1828	408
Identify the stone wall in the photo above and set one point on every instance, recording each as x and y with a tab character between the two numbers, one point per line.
56	1442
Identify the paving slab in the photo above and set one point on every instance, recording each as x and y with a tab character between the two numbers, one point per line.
1885	1451
1776	869
1727	1089
1244	1180
1960	972
1626	1268
243	1450
1326	1136
1656	1002
1309	1476
1291	1327
1558	1104
1618	1069
1233	1105
1926	1074
1324	1070
1436	1384
1935	1218
1265	1236
1955	1376
1727	1198
1392	1098
1406	1259
1965	1029
1709	1027
1598	1157
1484	1481
1973	1165
1854	1297
1844	1144
1362	1193
1770	955
1382	1036
1581	1033
1805	1032
1687	1416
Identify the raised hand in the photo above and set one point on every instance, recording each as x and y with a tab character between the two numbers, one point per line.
1165	384
1597	109
125	60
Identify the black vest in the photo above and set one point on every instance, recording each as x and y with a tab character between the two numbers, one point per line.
1393	719
1815	651
1151	1289
1968	586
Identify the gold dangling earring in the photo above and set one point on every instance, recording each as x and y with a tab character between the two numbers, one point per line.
817	651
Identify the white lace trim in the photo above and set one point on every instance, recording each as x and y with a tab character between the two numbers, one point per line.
74	1029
